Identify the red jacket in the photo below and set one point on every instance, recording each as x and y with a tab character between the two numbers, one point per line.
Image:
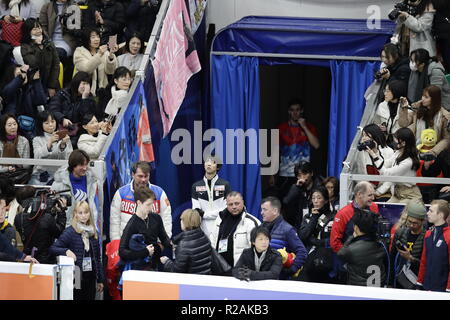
340	224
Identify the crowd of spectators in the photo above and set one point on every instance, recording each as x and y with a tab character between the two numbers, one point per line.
304	235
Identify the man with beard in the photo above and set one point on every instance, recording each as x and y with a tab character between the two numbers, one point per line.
124	206
232	229
208	195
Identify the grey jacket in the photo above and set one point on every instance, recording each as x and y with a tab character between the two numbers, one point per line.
436	76
62	182
420	32
41	152
23	148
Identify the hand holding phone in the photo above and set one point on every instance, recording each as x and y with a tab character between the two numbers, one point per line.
62	133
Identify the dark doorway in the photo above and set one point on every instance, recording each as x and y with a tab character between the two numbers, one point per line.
279	84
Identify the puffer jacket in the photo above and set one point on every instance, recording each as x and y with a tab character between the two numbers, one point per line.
192	254
270	267
71	240
63	105
46	59
360	254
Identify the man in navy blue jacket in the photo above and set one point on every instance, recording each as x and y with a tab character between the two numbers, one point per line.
283	235
434	274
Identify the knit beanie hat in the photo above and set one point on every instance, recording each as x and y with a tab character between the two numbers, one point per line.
416	210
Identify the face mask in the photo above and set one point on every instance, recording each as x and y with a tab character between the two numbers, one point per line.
412	66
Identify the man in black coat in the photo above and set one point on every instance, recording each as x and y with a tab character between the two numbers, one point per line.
107	15
364	256
39	228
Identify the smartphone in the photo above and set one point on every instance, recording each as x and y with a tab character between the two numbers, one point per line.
62	133
112	41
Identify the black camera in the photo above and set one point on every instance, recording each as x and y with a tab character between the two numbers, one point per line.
363	145
31	72
380	73
404	6
427	156
400	245
45	200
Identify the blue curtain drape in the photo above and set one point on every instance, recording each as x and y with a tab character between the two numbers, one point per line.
350	80
235	105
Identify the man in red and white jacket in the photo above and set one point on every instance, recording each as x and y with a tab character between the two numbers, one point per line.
434	272
123	205
342	226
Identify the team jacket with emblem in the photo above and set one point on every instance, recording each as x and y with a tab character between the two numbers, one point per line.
434	269
342	229
123	207
211	201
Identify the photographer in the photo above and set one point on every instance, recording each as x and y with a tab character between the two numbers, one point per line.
374	139
404	162
413	29
48	144
53	17
95	137
386	116
23	93
39	52
427	113
39	228
396	68
407	247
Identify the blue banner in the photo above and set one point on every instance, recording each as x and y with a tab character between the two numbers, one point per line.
123	152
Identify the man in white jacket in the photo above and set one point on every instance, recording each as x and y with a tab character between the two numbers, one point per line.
124	206
208	194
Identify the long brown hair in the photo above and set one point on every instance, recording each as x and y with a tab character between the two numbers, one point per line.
427	114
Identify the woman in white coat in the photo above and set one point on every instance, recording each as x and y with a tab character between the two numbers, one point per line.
405	163
95	59
95	137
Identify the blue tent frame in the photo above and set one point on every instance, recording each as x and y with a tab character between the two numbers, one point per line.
350	48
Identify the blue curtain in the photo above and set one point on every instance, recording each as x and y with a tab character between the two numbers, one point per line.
235	105
350	80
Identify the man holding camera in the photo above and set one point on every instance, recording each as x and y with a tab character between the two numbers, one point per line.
39	227
407	247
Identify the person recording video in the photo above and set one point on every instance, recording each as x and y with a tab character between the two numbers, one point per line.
40	227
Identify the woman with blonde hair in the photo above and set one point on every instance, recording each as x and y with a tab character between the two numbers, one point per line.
193	251
80	242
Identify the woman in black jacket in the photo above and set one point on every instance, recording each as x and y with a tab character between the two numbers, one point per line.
193	248
260	262
315	233
72	103
40	53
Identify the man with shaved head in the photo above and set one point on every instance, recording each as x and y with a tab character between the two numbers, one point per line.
364	193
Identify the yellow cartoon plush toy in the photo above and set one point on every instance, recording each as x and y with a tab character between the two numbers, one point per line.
429	140
287	259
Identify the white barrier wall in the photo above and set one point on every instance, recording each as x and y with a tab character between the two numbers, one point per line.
149	285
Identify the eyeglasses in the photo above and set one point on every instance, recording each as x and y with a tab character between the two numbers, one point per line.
413	223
